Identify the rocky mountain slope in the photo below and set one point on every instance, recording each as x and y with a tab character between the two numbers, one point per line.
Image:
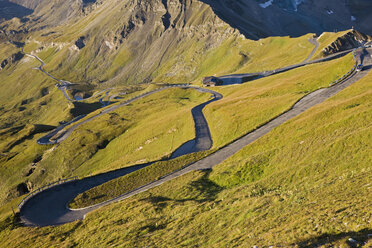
254	18
108	40
262	18
98	41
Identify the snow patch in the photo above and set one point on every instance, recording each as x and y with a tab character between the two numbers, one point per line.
353	19
266	4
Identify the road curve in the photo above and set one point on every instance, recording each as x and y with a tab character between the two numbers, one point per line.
64	132
315	42
50	206
54	200
240	78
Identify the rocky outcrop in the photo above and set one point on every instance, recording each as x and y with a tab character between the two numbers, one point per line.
350	40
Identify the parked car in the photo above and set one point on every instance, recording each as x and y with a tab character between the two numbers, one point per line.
359	67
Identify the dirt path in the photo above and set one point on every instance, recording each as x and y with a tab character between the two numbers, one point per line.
50	206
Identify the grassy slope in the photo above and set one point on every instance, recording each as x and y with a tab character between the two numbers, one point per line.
307	179
246	107
238	113
7	50
148	132
57	109
52	108
27	98
119	186
130	136
326	39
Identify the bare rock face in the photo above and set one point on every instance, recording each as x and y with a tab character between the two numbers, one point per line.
352	39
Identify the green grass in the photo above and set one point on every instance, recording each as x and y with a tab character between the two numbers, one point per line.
31	46
309	193
6	50
259	91
248	106
141	132
133	180
27	99
234	55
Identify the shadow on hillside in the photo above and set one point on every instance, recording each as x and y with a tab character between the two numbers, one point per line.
9	10
82	108
354	239
280	19
201	190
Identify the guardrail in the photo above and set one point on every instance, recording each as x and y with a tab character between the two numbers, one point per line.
35	192
348	73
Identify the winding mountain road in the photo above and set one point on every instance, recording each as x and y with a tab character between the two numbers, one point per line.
240	78
64	132
49	207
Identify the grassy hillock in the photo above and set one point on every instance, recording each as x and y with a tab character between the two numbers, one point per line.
305	184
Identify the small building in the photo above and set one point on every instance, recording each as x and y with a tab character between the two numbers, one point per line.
212	81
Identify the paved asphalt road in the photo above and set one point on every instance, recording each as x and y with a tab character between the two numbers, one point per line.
315	42
203	138
240	78
50	206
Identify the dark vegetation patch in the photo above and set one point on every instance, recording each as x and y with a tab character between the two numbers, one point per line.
44	91
352	106
26	101
31	170
37	159
11	131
